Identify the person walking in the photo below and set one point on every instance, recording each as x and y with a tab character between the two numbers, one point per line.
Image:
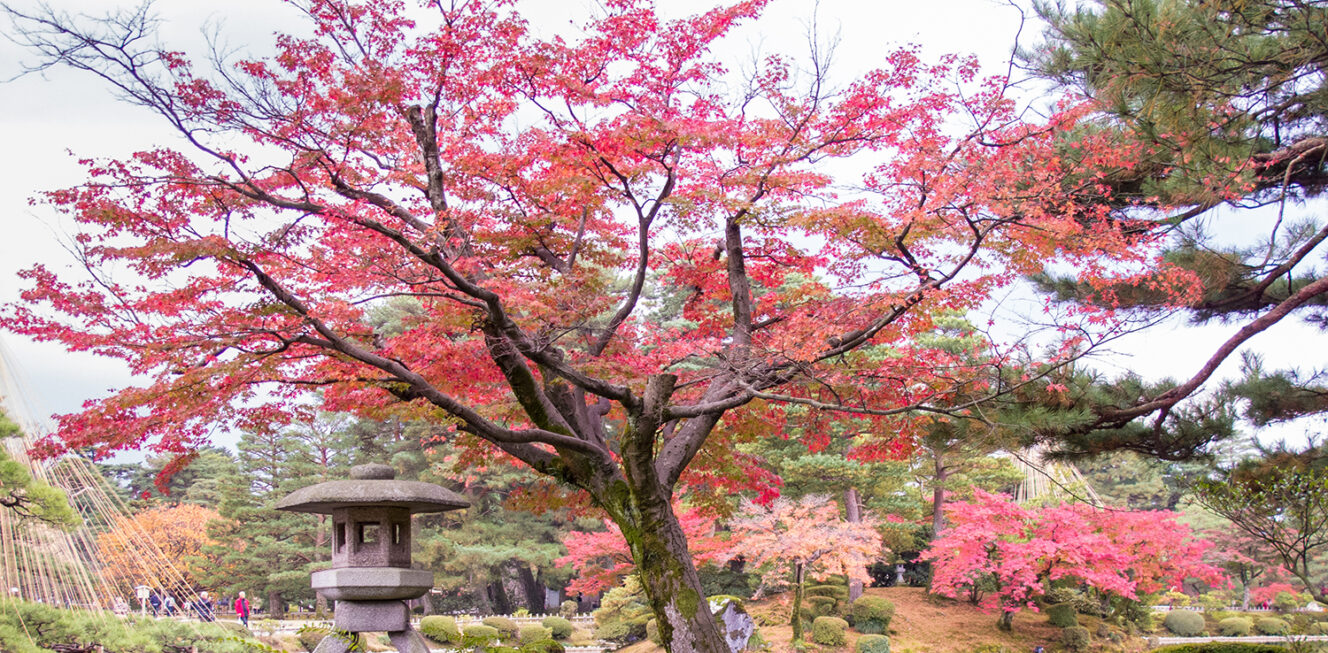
155	601
169	605
204	607
242	609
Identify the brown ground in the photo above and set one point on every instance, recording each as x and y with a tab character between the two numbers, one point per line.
923	624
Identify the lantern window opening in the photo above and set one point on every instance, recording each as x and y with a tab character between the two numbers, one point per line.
368	533
396	532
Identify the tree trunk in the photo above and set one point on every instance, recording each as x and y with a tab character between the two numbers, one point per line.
639	501
276	607
938	497
533	589
1006	622
665	569
853	511
498	596
799	574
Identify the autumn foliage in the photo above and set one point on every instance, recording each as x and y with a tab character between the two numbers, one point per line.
177	532
601	558
606	255
999	553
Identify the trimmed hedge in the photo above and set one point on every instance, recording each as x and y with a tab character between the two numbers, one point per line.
1272	626
1318	628
1184	623
440	629
532	633
829	631
872	615
543	646
1062	615
820	606
479	635
507	628
1076	638
560	626
837	592
1234	627
873	644
568	608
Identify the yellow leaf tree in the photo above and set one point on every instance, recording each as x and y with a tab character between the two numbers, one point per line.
179	532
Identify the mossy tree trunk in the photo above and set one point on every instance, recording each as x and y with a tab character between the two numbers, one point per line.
639	500
799	576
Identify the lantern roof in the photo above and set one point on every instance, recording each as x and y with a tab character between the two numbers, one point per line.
372	485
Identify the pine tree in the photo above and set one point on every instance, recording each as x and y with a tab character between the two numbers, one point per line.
1229	103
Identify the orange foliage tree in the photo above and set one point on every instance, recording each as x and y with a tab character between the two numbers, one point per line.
806	537
179	532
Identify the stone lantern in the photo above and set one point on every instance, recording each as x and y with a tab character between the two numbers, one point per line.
371	578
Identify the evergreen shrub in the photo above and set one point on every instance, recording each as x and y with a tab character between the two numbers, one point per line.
1272	626
1076	638
507	629
1184	623
561	626
873	644
568	609
1063	615
821	606
543	646
479	636
1234	627
872	614
829	631
440	629
532	633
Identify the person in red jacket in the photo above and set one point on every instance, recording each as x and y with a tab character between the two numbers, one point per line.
242	609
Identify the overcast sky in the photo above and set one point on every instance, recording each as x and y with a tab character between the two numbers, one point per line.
44	117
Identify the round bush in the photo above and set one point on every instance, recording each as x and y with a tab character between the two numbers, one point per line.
560	626
821	606
837	592
1318	628
440	629
533	633
568	609
872	614
543	646
479	635
1234	627
507	628
829	631
1272	626
1184	623
1076	638
1062	615
873	644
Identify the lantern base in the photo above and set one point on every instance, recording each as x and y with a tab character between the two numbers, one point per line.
372	616
372	583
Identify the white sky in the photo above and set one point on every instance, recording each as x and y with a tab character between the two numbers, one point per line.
43	118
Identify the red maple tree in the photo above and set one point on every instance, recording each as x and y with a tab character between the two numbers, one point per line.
596	254
1016	552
